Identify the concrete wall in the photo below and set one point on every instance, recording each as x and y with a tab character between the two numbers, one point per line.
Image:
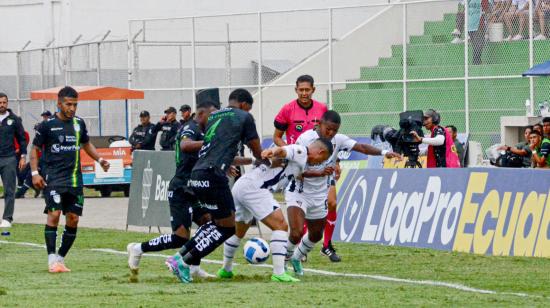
43	20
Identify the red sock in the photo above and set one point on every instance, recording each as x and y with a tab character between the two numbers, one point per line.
329	227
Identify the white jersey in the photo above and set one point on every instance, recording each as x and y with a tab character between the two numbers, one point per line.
320	185
266	177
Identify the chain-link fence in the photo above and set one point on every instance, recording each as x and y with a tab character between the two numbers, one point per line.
86	64
370	63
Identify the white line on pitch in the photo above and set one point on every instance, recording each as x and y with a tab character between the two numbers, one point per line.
321	272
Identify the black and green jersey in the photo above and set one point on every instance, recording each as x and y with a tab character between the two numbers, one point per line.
62	141
226	129
544	150
186	161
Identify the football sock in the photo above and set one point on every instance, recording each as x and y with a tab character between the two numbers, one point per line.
163	242
206	239
303	248
329	228
278	251
289	249
50	234
67	240
229	248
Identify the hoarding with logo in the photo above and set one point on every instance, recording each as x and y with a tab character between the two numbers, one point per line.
504	212
148	202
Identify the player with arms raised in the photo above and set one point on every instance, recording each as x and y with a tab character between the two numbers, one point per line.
307	198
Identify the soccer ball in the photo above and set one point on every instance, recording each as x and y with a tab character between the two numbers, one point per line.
256	250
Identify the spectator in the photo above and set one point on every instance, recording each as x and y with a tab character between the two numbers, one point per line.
457	32
522	149
546	127
542	13
538	127
21	173
10	127
143	137
46	115
298	115
458	145
169	127
186	115
440	144
541	150
499	9
519	10
478	11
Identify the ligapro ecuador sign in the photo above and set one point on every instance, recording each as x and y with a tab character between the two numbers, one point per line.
502	212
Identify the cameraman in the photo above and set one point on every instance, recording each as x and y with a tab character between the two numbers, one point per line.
441	149
522	149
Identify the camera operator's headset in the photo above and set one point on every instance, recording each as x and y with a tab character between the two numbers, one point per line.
436	117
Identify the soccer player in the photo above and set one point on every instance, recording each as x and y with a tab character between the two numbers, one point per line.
298	116
253	199
61	137
184	207
226	129
307	198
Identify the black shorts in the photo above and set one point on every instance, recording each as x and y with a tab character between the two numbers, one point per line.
211	188
66	199
184	208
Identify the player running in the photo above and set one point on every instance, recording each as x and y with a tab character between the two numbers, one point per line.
307	198
253	199
226	129
184	207
62	137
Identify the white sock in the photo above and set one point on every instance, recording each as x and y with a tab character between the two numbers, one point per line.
195	268
60	259
229	248
137	248
278	251
289	249
52	258
303	248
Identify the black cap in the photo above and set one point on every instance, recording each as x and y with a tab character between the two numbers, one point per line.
144	113
46	113
185	108
170	110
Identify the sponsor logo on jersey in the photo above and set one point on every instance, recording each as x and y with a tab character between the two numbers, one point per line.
10	122
53	129
58	148
299	127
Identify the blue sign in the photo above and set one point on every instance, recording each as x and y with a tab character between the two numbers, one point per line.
485	211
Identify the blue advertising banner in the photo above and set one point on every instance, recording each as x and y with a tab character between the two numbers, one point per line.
503	212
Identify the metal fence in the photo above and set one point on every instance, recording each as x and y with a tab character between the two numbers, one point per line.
92	63
369	63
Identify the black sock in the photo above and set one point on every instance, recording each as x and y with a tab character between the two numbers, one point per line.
67	240
163	242
207	238
50	234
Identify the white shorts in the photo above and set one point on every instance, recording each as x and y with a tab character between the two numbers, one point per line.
252	202
314	207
